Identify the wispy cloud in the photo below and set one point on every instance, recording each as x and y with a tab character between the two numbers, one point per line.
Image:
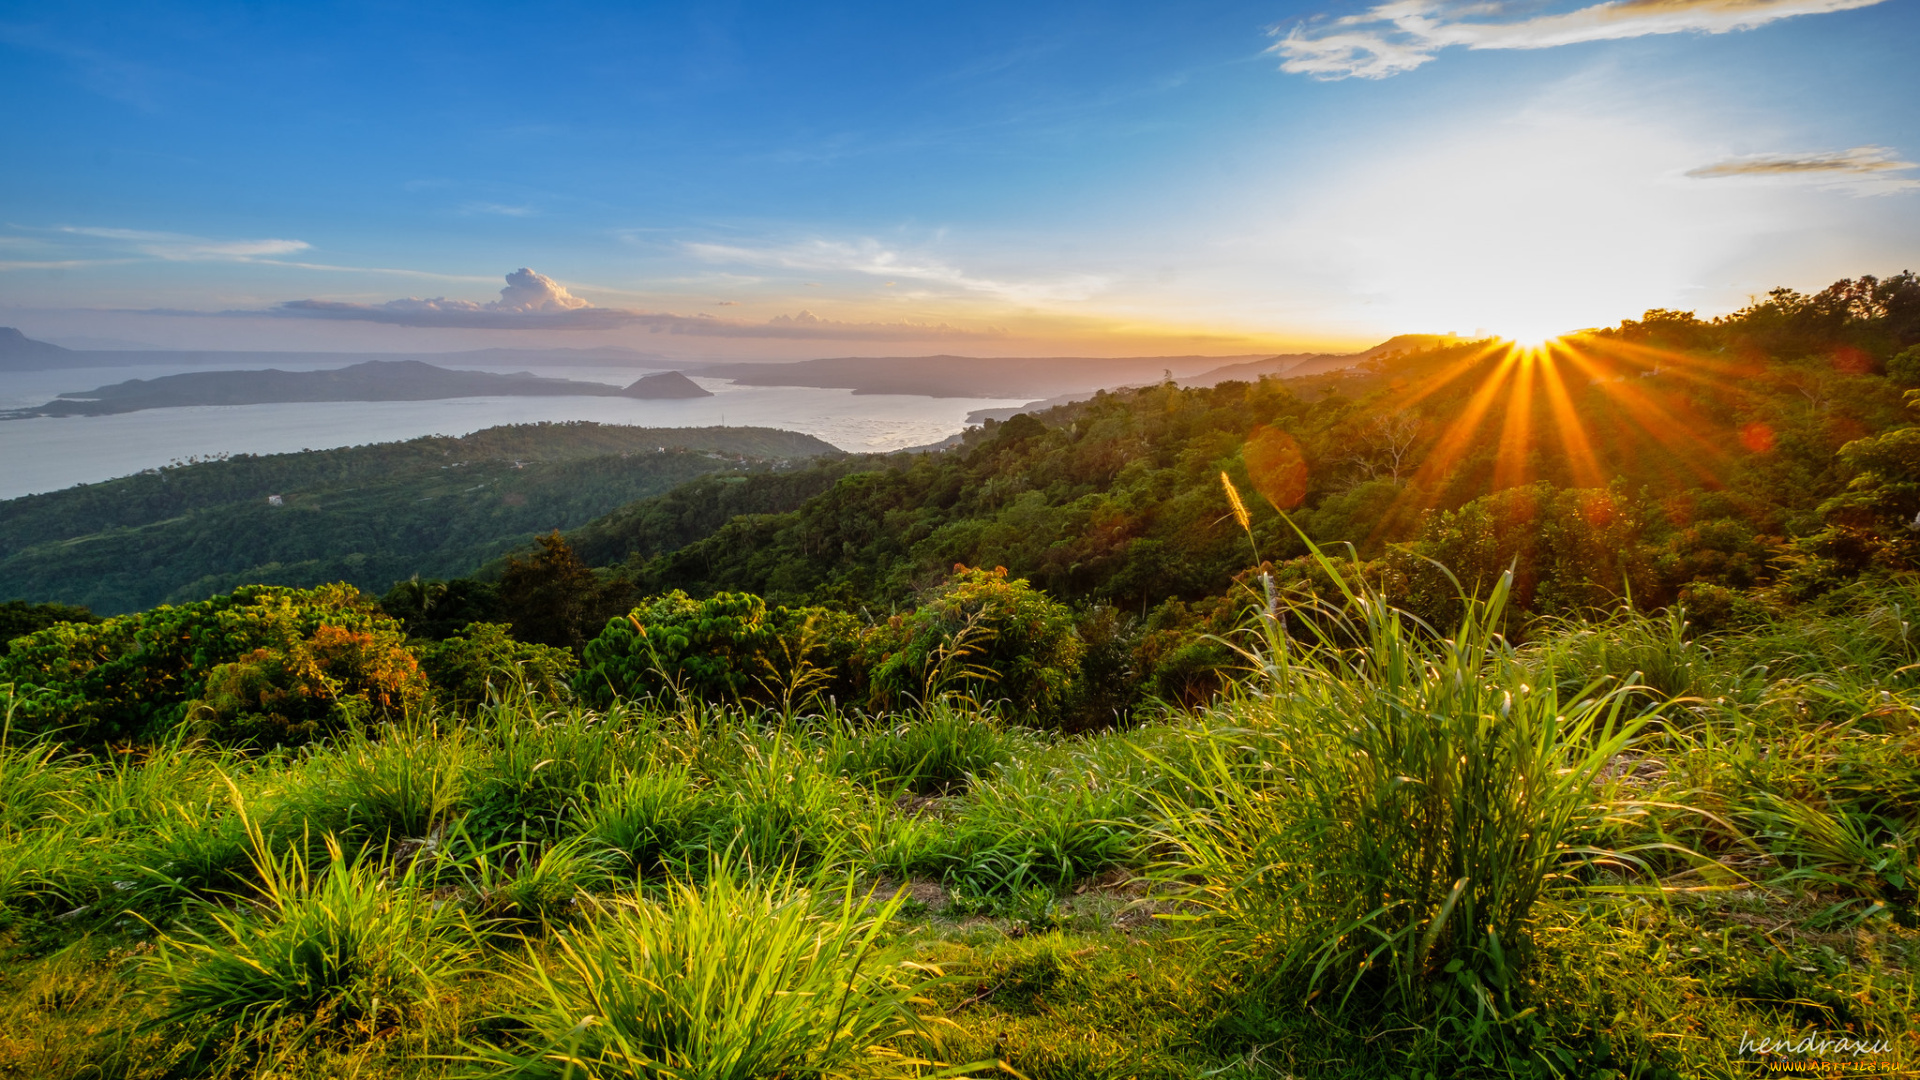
498	209
179	247
111	76
534	301
1862	170
1403	34
874	259
65	246
57	264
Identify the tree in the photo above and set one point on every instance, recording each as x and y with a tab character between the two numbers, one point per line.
1384	446
551	597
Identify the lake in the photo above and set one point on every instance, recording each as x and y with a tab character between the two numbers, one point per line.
49	453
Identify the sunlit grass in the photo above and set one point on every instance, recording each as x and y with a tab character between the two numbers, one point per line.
500	877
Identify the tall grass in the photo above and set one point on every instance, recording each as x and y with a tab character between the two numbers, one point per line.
1656	656
391	783
307	956
724	981
938	748
647	819
1417	794
538	760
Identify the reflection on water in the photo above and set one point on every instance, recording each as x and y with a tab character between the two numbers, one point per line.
47	454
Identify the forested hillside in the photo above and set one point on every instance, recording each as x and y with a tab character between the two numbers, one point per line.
367	515
1662	454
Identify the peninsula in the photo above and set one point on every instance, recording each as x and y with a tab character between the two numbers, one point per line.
373	380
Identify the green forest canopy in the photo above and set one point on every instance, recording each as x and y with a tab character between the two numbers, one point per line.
368	515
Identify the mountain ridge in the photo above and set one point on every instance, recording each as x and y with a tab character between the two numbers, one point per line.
370	380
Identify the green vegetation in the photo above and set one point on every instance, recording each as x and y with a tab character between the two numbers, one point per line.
369	515
1542	778
1386	853
1664	453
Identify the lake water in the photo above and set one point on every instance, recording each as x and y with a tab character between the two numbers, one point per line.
46	453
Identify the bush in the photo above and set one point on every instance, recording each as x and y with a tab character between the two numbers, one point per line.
727	648
262	663
19	618
484	660
986	635
307	687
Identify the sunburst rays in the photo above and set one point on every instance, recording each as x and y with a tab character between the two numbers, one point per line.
1578	411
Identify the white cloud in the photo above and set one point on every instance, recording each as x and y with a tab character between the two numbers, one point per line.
56	264
874	259
1861	170
499	209
534	301
530	291
179	247
1403	34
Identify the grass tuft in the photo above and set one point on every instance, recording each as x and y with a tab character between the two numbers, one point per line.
727	980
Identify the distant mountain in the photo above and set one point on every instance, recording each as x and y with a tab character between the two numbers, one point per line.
21	353
18	352
968	376
373	380
1298	365
1289	365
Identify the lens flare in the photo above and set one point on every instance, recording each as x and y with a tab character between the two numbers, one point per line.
1576	410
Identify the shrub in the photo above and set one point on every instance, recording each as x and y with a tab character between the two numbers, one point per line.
308	687
987	635
19	618
484	661
727	648
260	663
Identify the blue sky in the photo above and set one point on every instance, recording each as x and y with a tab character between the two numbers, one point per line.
783	180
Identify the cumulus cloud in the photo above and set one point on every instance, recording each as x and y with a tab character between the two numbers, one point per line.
179	247
1863	170
530	298
533	301
1403	34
